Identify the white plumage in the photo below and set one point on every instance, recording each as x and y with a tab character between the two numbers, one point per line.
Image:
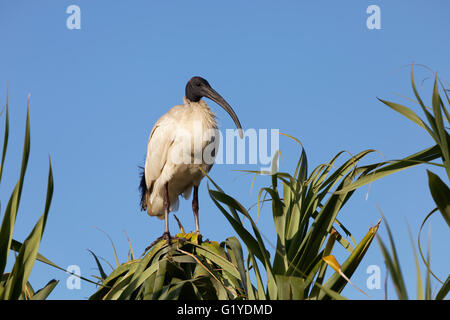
181	147
169	146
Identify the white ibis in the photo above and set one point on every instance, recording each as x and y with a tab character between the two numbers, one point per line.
172	166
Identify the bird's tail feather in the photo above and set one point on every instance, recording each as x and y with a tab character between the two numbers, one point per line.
143	189
187	193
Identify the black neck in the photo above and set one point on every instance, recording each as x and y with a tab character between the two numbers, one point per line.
192	96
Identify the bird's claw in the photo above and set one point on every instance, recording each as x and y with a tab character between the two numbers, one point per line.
165	236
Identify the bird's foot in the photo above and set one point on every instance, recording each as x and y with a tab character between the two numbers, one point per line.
165	236
196	237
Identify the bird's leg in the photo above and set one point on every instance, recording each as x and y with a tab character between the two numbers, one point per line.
195	209
166	234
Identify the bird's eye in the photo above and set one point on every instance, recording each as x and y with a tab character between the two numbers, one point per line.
198	84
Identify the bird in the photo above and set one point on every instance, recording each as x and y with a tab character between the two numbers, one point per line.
176	161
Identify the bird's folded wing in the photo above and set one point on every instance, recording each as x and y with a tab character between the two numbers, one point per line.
160	141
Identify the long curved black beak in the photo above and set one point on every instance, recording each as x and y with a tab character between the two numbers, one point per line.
217	98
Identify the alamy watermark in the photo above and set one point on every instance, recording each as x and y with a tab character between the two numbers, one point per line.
74	280
197	146
73	21
374	20
374	279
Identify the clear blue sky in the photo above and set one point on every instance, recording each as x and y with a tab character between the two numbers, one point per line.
309	68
